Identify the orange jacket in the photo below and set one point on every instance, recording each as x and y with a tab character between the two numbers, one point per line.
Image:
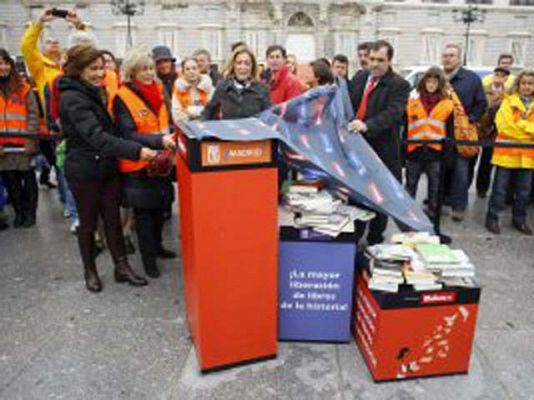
14	115
146	121
423	126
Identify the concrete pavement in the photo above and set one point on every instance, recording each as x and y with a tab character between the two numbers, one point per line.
58	341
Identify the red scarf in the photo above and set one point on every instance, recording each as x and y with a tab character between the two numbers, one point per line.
429	100
151	93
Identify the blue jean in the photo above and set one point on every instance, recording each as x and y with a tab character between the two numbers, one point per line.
68	202
461	180
62	186
497	202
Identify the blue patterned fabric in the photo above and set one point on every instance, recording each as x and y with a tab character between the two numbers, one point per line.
315	139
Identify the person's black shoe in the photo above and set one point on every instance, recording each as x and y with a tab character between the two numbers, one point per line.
128	245
523	228
482	195
151	268
165	253
29	220
3	224
19	220
493	227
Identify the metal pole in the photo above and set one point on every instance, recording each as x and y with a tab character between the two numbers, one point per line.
128	11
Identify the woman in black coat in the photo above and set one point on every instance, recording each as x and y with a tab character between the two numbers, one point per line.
141	115
91	161
240	94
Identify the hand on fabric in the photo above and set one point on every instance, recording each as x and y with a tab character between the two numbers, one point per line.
358	126
169	142
147	154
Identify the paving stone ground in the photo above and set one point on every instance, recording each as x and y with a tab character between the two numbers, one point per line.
58	341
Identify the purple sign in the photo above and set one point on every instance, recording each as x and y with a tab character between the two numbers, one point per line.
315	286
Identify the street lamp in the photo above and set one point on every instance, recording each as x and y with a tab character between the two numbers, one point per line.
467	16
129	8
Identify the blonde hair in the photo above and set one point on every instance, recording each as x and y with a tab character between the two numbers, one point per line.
228	69
517	81
134	60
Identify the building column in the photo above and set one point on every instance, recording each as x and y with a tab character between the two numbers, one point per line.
232	23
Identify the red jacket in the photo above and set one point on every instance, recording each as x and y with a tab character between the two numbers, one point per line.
284	86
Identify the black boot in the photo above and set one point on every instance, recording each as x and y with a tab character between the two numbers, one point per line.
165	253
86	242
19	219
3	224
29	219
124	273
92	281
151	268
128	245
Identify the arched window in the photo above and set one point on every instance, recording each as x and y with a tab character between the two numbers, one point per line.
300	20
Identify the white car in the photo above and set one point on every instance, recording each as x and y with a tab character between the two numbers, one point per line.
414	73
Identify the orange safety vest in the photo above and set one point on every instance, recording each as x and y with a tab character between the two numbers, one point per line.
422	126
111	83
14	116
186	100
146	122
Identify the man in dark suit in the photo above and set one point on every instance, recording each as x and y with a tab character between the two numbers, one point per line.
379	98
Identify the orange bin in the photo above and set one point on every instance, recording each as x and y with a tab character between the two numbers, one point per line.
228	217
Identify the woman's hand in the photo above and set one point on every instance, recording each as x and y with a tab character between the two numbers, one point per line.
169	142
147	154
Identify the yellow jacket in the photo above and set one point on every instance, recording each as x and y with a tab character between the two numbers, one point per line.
514	124
42	69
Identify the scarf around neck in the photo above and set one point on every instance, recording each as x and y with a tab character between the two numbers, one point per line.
429	100
151	94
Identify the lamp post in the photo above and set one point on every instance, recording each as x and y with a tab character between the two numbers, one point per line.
129	8
467	16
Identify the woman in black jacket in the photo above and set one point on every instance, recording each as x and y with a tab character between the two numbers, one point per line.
141	115
240	94
91	161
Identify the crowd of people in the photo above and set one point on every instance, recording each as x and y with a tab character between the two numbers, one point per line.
106	128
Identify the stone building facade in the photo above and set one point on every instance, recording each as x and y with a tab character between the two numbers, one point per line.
309	28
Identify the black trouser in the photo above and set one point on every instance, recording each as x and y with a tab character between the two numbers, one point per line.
149	226
484	170
22	189
169	197
94	199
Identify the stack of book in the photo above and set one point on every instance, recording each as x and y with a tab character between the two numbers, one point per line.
307	206
419	262
386	265
452	266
